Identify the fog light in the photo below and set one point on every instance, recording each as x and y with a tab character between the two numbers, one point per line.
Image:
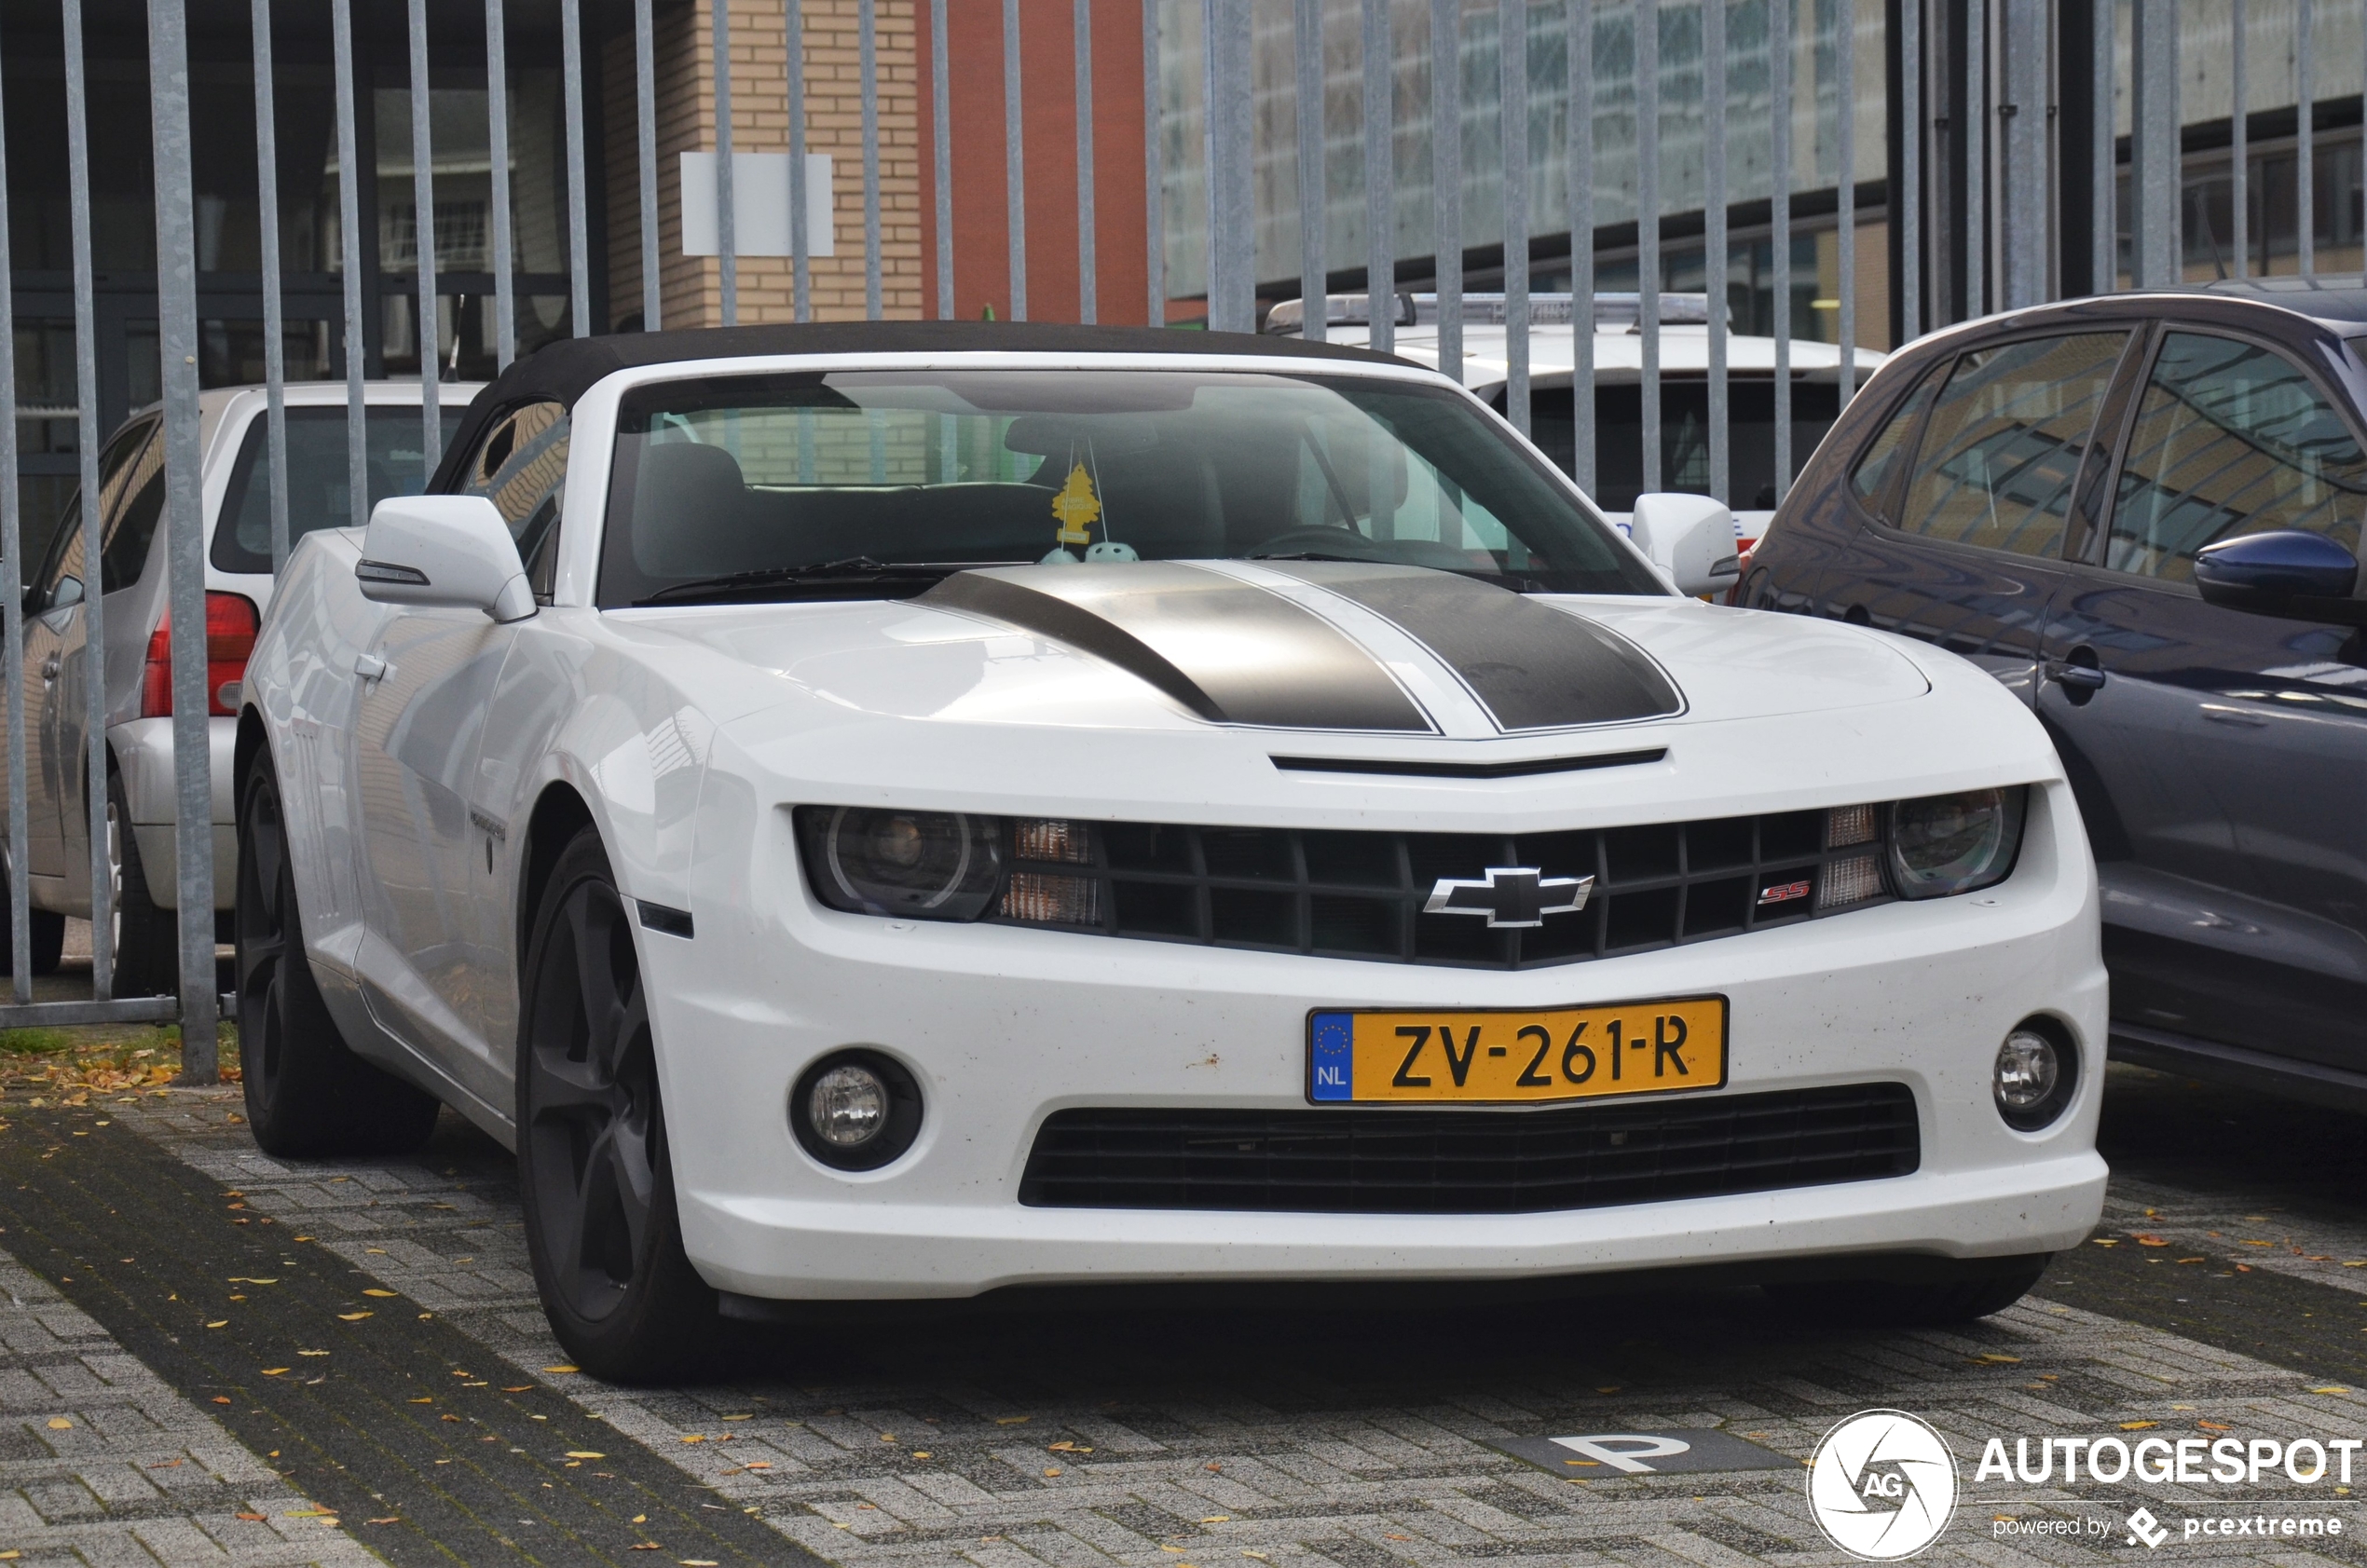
2034	1076
847	1107
856	1109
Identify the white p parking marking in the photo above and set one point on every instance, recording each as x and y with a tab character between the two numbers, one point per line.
1645	1445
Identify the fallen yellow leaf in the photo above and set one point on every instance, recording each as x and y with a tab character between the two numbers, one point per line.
1013	1420
312	1353
219	1323
382	1294
2144	1240
917	1454
558	1369
2330	1390
589	1454
2137	1425
273	1371
1051	1475
353	1317
59	1424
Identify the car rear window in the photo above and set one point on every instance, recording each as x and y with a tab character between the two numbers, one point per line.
319	494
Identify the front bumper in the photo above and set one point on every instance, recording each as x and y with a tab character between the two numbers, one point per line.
1003	1026
143	750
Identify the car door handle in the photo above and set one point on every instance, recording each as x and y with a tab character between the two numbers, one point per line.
50	669
2079	677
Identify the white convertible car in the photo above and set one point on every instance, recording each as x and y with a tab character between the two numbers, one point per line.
903	810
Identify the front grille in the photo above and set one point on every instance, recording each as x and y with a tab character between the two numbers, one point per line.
1346	894
1398	1161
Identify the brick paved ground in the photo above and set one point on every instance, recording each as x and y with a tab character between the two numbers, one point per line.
101	1463
1360	1438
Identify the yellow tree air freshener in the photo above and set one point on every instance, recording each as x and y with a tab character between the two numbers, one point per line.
1076	507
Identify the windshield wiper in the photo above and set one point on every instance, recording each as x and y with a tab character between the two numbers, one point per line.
852	568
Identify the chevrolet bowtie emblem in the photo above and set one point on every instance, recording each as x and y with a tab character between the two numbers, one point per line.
1511	896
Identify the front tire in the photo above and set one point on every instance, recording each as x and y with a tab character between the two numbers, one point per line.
148	939
307	1094
594	1169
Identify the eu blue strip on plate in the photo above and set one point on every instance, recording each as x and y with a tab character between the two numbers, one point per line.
1331	1063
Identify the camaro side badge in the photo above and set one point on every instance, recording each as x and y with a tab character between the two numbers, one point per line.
1511	896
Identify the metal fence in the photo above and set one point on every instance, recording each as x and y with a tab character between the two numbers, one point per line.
2013	230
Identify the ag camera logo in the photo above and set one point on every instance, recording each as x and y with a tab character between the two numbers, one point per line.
1882	1485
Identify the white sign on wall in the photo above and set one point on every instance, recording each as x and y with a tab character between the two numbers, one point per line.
759	205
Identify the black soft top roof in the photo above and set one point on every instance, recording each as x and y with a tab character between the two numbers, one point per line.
562	372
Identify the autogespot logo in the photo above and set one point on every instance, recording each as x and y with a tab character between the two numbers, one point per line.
1882	1485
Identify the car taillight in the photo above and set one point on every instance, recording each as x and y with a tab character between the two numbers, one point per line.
230	626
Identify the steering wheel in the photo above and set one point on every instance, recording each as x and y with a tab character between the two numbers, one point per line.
1323	539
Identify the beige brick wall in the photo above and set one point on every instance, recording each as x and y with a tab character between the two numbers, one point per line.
692	286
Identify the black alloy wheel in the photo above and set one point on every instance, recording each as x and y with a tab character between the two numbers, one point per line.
592	1161
307	1092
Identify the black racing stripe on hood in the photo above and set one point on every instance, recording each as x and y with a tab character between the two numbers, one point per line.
1231	653
1531	666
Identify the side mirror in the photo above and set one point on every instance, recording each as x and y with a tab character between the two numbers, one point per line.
1690	539
67	594
2290	574
450	552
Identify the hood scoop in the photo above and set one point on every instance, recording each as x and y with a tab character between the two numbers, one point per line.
1236	651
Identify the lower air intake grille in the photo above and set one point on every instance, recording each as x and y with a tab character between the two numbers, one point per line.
1394	1160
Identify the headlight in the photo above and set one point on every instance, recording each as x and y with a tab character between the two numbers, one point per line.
1946	844
938	865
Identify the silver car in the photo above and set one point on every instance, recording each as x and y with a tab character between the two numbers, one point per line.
131	573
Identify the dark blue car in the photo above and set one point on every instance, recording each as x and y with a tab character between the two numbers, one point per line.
2142	513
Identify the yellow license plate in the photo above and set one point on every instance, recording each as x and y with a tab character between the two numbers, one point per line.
1499	1057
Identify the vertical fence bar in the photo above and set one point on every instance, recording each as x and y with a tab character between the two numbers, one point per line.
867	51
800	219
184	538
2305	144
1907	203
941	119
1648	227
2239	204
1512	73
1307	43
357	437
275	347
1232	215
1580	56
12	621
1976	181
1446	178
86	432
1779	109
578	199
2105	248
1380	178
1089	289
727	232
2153	174
1714	261
645	106
1845	186
1015	160
496	127
423	231
1153	171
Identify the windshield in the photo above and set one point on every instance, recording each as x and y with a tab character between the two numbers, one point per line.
751	477
319	492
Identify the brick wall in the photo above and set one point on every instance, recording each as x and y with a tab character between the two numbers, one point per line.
692	286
